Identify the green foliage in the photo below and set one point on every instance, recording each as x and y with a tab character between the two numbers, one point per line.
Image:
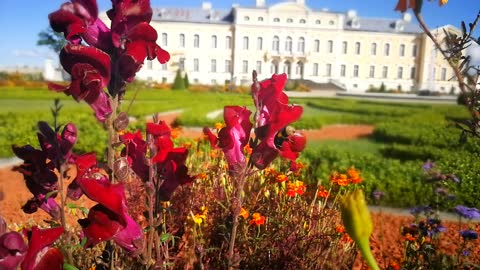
186	82
178	83
382	88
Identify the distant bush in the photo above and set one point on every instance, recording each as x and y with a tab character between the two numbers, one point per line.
178	83
302	88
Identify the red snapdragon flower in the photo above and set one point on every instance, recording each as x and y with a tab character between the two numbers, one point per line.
40	256
39	166
272	118
134	37
90	71
12	249
79	20
108	219
234	136
169	160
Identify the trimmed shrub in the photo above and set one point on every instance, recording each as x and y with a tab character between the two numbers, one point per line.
178	83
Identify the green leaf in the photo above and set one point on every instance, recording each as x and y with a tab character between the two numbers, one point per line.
164	237
49	194
67	266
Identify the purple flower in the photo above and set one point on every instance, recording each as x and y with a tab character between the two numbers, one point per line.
466	212
428	165
377	194
469	234
417	210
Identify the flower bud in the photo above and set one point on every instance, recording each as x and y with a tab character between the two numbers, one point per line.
358	223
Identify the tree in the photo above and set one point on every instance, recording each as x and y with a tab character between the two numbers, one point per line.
382	88
185	81
51	39
178	83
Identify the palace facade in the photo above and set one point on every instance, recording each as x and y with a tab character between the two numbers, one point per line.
353	52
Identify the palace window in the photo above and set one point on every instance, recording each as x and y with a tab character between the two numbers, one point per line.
344	47
402	50
387	49
276	44
357	48
330	46
316	45
259	43
372	72
196	65
245	66
228	66
385	72
245	43
259	67
355	71
196	41
214	42
400	73
342	70
288	44
328	70
164	39
182	40
301	45
373	49
213	67
315	69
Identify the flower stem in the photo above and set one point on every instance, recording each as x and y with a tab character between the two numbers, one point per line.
112	136
364	247
237	200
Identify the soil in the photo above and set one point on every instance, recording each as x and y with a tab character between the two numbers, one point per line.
386	242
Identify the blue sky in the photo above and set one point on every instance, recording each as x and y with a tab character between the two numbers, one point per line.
21	21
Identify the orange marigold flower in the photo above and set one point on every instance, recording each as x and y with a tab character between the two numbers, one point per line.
281	178
202	176
394	265
294	188
248	149
244	213
270	172
322	192
409	237
257	219
354	176
346	238
340	179
340	229
175	132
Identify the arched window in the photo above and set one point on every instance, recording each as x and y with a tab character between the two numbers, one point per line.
214	42
276	20
316	45
301	45
387	49
303	21
288	44
260	19
357	48
318	22
245	43
276	44
259	43
274	67
373	49
289	20
182	40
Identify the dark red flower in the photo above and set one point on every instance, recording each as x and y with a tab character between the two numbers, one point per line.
79	20
108	219
234	136
135	151
40	256
134	36
12	250
90	71
273	115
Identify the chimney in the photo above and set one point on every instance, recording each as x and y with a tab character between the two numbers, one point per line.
260	3
206	5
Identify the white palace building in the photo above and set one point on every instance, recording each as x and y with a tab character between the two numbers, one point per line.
218	46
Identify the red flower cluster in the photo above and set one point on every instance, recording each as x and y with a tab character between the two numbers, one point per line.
169	160
272	118
114	55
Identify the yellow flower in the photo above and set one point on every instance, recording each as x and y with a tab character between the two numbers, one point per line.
219	125
358	223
